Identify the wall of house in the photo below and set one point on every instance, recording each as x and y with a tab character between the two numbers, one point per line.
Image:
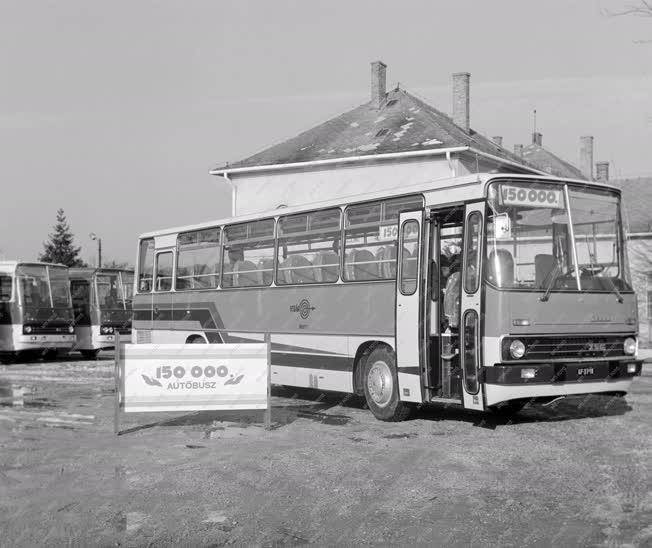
264	191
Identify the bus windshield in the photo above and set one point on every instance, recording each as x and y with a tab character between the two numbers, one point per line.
537	232
114	290
44	287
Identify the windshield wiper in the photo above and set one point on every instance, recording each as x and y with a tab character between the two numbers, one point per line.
614	289
553	278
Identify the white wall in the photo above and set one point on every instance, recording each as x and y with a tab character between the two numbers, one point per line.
264	191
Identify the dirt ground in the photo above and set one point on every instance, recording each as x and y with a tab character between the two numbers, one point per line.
577	473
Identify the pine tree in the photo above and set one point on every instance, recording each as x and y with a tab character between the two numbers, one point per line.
59	248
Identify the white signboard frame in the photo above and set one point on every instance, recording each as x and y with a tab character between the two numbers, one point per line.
191	377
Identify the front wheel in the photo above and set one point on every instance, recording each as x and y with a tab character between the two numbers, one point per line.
508	408
381	386
89	354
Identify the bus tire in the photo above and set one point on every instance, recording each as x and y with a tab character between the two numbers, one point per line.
381	386
196	339
89	354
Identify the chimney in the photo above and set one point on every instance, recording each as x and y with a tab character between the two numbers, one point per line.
461	100
537	138
602	171
497	139
586	156
518	150
378	83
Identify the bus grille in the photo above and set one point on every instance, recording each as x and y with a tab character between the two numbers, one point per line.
551	348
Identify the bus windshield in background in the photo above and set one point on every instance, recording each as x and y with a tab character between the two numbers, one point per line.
531	245
114	290
40	290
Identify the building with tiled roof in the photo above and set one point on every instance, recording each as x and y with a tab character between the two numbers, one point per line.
535	154
395	139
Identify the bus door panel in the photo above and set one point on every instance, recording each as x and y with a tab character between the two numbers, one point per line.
432	304
470	307
410	333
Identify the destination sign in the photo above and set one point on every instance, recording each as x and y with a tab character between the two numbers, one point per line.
532	197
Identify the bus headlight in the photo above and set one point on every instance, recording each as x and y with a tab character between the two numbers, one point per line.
517	349
107	329
27	329
71	329
629	346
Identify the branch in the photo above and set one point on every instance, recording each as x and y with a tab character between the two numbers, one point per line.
644	9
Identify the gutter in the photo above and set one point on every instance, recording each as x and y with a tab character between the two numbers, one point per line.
347	160
225	172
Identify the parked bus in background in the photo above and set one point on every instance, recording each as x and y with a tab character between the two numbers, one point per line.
101	300
36	317
486	291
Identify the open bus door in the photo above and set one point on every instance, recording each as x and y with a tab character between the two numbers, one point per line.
410	338
470	307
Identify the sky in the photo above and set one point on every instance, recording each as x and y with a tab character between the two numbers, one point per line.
116	110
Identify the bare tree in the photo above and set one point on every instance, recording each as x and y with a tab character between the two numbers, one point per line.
642	9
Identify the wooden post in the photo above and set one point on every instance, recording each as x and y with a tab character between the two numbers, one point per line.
268	411
118	384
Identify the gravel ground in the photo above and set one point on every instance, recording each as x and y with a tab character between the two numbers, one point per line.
576	473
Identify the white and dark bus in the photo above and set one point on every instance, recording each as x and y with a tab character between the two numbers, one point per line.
36	317
102	299
485	291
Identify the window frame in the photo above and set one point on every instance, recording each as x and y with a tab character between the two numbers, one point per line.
279	237
468	233
220	258
225	245
137	273
382	202
399	259
12	291
155	277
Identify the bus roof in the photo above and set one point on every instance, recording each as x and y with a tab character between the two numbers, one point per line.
448	183
7	266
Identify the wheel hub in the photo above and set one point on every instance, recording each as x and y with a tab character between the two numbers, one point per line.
380	383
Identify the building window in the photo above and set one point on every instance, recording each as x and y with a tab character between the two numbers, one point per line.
309	248
198	259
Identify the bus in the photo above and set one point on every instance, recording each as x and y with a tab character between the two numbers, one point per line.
36	317
101	299
486	291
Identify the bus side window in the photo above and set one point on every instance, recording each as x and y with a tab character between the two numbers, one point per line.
5	288
164	271
472	252
145	265
198	259
248	254
371	231
308	250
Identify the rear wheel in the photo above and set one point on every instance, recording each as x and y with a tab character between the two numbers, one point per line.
89	354
197	339
381	386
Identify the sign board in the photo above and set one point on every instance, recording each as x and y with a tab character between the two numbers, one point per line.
389	233
193	377
532	197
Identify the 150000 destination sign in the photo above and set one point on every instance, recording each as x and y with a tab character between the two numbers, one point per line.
532	197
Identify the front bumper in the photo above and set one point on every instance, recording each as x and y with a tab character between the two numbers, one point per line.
26	342
556	373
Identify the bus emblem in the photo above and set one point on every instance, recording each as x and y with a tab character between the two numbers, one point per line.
303	308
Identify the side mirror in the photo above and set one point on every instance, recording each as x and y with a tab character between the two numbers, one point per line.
434	281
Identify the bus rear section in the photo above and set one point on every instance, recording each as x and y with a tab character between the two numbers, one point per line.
36	316
102	301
